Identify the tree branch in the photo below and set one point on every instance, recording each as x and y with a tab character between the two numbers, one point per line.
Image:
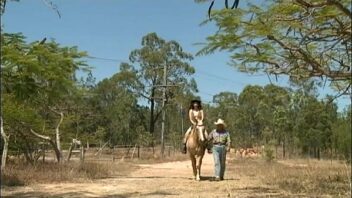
340	94
40	136
341	7
317	68
47	138
328	2
52	6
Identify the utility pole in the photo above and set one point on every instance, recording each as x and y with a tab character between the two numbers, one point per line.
163	113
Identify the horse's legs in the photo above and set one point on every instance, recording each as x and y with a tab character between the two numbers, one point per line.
194	166
199	166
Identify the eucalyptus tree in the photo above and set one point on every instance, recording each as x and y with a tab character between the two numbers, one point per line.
225	106
342	139
145	73
251	119
275	110
116	111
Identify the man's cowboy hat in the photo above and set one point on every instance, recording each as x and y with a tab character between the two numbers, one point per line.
220	121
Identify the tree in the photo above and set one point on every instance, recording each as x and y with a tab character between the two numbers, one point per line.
6	139
250	120
116	111
301	39
225	107
152	57
342	139
40	77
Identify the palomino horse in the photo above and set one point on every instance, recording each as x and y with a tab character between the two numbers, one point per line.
196	144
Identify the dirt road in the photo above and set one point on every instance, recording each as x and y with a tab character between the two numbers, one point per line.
172	179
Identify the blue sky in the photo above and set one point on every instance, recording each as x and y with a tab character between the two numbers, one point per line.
113	28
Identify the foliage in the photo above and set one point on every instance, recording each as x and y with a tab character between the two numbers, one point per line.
146	78
301	39
37	79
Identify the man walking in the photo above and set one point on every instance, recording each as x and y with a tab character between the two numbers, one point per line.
221	142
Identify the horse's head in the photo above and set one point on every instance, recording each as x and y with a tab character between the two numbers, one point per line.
200	132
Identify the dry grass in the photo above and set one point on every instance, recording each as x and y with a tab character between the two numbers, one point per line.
17	174
94	167
308	177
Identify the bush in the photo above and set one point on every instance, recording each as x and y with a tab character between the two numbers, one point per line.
269	153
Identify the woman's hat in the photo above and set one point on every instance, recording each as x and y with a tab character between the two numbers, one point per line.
220	121
195	101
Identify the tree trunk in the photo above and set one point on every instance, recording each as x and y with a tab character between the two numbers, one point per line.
47	138
283	149
57	146
6	146
82	154
57	130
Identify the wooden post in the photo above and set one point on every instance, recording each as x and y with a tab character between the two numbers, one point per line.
138	151
70	151
134	149
153	149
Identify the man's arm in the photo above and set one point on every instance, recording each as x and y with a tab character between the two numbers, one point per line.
228	142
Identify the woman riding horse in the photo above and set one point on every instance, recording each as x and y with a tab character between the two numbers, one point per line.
196	116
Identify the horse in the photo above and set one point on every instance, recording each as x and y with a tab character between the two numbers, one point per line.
196	145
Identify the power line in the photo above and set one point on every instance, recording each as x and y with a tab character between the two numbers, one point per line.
219	77
199	71
106	59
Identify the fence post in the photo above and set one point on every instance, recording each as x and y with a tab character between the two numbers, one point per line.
82	153
138	152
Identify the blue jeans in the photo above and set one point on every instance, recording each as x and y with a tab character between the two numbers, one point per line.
219	153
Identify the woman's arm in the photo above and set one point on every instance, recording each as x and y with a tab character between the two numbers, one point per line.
201	115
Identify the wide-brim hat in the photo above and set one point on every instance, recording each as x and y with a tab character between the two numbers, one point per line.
220	122
196	101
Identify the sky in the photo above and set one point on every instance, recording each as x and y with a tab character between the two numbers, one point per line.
111	29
